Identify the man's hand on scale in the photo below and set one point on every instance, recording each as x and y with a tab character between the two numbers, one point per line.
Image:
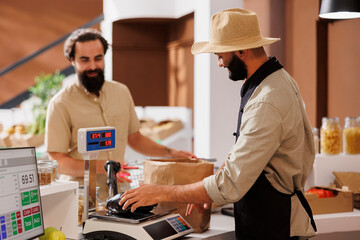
144	195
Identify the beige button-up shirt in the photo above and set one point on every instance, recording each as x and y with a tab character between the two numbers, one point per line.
275	136
73	108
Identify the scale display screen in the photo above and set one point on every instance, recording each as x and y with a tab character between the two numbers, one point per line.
100	140
167	228
20	206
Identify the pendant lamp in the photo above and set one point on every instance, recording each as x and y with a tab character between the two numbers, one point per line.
340	9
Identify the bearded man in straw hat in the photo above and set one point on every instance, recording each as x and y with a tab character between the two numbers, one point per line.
265	173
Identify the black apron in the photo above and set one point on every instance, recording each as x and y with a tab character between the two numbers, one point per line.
264	212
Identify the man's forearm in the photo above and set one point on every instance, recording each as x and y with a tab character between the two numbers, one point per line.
190	193
74	167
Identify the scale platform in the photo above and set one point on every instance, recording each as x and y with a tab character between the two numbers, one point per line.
159	225
135	217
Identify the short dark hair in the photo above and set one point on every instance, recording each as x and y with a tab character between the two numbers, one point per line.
82	35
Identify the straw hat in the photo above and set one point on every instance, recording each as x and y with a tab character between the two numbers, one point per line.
232	30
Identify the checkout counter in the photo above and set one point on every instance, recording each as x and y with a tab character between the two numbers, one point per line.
334	226
330	226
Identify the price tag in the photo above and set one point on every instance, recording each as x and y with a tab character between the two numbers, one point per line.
27	179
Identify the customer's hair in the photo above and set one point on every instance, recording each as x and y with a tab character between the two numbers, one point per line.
82	35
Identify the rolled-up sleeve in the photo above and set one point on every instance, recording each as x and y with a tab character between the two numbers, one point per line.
213	191
259	138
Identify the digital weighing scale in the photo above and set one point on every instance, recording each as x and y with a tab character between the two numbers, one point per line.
136	226
91	141
157	224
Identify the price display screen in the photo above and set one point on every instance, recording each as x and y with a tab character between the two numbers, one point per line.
100	139
20	206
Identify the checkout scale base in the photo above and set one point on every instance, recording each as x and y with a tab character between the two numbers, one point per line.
168	226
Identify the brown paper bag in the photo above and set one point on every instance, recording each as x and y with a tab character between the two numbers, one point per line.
180	172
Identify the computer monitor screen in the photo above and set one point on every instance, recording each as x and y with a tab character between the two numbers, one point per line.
20	205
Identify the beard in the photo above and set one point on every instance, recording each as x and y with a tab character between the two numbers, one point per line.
92	84
237	68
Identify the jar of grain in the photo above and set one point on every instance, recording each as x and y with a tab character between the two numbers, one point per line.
54	166
351	136
44	172
330	136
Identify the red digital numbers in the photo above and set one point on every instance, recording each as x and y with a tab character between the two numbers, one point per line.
108	134
105	143
95	135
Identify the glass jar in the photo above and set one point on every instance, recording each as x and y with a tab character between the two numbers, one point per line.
330	136
100	205
55	175
44	172
316	139
351	136
55	167
80	205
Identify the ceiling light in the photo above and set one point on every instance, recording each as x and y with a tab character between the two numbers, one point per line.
340	9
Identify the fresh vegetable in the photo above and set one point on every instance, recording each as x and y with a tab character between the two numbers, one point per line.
321	193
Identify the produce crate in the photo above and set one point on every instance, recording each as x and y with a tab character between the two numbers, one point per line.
341	202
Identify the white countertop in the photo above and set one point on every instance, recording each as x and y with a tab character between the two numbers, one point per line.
326	224
219	224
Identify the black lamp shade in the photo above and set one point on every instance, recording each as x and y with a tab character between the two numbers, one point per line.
340	9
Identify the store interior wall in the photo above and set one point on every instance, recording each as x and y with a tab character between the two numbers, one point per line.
344	70
153	58
300	50
214	114
28	26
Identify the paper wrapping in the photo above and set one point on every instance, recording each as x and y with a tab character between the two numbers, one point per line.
180	172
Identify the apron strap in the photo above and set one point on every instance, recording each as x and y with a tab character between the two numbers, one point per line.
306	205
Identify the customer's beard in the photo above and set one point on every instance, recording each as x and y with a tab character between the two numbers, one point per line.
92	84
237	68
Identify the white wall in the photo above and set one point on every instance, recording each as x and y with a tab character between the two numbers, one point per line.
216	98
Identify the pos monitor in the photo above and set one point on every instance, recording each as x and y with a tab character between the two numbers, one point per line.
20	206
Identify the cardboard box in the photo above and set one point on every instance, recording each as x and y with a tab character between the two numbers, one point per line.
166	128
26	140
352	181
341	202
162	129
147	123
5	139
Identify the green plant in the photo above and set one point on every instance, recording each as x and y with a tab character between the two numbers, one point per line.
47	85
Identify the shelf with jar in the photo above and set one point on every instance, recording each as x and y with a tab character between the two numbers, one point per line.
334	139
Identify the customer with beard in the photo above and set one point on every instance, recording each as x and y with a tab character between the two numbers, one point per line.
92	102
265	173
